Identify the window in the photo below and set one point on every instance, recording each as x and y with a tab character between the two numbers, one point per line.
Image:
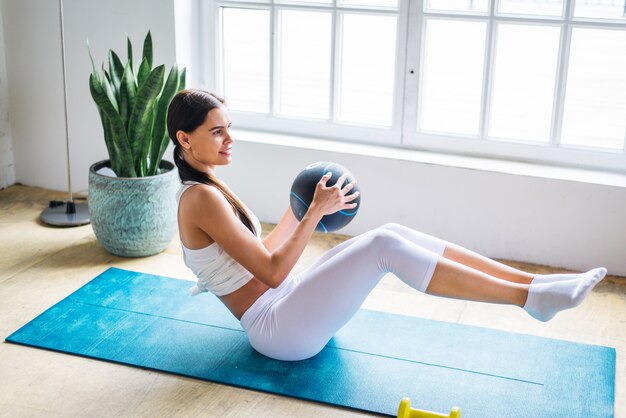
528	80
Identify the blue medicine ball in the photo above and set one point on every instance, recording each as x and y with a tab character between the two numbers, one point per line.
303	189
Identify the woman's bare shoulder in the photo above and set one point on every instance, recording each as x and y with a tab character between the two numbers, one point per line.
201	200
202	194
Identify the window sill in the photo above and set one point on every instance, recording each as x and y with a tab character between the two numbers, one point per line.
422	157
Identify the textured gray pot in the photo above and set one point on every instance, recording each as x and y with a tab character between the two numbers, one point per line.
133	216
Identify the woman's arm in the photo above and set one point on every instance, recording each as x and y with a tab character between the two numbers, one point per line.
212	213
283	230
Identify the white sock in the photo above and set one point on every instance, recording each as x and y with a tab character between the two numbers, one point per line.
549	278
546	299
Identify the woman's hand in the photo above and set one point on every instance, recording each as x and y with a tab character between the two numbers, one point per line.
328	200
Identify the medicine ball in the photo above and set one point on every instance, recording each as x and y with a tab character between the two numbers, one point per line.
303	189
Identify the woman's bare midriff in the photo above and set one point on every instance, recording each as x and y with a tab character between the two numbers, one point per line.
241	299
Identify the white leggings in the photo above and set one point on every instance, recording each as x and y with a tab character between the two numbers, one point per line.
297	319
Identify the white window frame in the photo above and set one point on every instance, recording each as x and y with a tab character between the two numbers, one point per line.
409	45
272	122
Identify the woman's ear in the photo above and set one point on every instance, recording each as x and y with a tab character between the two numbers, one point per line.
183	139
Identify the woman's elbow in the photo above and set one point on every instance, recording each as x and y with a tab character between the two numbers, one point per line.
269	279
274	285
275	279
274	274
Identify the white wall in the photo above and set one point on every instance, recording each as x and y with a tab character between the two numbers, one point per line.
33	53
7	171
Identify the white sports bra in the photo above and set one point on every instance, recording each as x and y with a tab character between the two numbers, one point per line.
217	272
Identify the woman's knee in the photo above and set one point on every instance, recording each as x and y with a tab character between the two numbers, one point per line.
422	239
383	239
392	226
400	229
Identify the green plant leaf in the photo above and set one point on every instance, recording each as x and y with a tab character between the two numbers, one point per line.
146	146
165	140
108	139
140	123
128	91
147	49
93	65
181	81
144	71
106	73
129	48
107	78
118	134
108	90
116	69
110	143
158	134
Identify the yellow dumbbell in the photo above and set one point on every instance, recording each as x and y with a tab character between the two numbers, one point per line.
405	411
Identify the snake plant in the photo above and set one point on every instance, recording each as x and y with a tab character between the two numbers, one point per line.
133	109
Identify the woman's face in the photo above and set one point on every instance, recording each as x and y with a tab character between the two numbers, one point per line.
210	144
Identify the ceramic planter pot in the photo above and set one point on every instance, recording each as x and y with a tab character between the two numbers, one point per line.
133	216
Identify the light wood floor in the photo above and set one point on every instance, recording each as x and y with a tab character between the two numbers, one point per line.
40	265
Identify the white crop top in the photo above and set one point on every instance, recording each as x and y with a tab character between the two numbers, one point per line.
217	272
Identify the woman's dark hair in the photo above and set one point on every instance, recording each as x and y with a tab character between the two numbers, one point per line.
188	110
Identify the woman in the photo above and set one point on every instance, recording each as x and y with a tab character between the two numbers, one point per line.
292	317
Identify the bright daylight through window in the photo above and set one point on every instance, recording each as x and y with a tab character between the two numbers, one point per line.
532	80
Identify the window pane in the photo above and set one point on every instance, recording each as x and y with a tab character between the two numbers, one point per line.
532	7
371	3
523	86
315	2
246	63
481	6
367	73
304	63
607	9
452	76
595	99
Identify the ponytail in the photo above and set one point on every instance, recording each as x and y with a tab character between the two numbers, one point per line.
187	111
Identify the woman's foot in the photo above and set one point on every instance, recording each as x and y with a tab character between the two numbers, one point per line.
550	278
546	299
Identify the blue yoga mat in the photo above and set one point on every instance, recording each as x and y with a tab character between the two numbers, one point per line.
151	322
